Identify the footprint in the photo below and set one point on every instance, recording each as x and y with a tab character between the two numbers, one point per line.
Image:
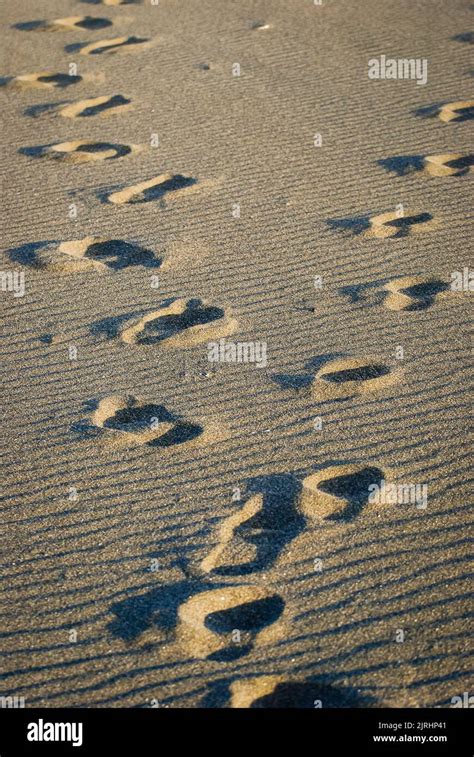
112	2
41	80
274	692
448	164
251	539
347	377
97	106
395	225
81	151
102	254
224	624
339	492
88	23
462	110
154	189
412	293
183	323
444	164
123	422
110	46
88	254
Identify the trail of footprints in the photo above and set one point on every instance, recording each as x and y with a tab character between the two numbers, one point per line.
251	539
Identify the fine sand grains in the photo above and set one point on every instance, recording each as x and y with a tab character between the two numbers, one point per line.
160	467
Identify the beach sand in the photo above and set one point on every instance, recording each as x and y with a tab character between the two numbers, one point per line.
184	533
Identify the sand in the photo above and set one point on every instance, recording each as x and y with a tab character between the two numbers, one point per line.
184	533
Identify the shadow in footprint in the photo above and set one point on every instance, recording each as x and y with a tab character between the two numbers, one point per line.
60	80
404	223
276	524
304	695
249	618
464	114
462	164
171	185
93	23
120	150
289	694
112	102
352	487
76	47
117	254
424	294
138	419
181	433
119	2
364	373
166	326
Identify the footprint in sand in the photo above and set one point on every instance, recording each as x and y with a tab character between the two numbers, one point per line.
274	691
224	624
72	23
109	46
122	421
394	224
411	293
88	254
462	110
81	151
347	377
339	492
252	539
181	323
40	80
444	164
154	189
112	2
104	106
